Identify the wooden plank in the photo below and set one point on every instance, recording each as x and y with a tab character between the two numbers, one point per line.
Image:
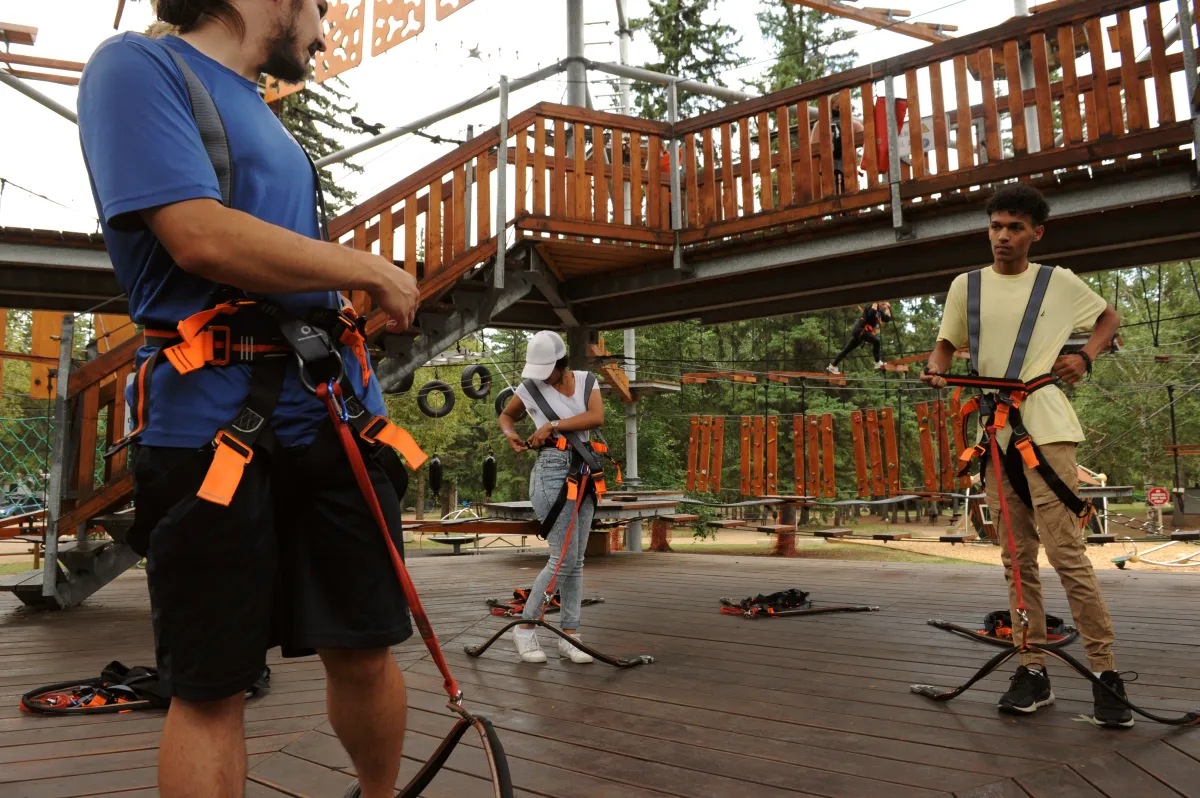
1177	770
1089	115
1163	95
539	169
941	138
599	180
966	152
558	175
783	126
433	231
825	141
387	232
1016	98
1115	775
772	487
745	471
827	450
708	190
47	326
654	180
946	460
890	453
747	167
1135	108
1071	123
636	180
870	161
849	155
802	184
878	482
759	432
618	176
728	181
813	450
928	467
1115	109
460	212
1100	97
860	454
410	234
520	190
1057	781
693	449
991	116
483	185
583	194
718	455
798	452
85	451
1041	84
766	187
705	458
692	217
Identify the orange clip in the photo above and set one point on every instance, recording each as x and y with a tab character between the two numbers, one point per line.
225	473
380	430
1025	447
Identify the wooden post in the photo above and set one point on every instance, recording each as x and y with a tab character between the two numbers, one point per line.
759	431
772	487
878	487
745	472
860	453
830	491
703	462
813	451
890	453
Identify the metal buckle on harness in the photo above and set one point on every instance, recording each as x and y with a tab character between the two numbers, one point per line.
1024	445
303	369
222	342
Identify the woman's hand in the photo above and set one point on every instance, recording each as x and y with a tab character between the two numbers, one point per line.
538	438
515	442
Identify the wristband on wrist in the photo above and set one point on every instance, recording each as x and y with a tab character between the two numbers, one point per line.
1087	360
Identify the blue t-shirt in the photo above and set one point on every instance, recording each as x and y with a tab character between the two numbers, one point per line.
143	150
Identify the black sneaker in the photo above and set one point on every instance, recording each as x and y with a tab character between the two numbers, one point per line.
1108	711
1030	690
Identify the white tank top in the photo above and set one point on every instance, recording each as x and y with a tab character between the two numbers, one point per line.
564	406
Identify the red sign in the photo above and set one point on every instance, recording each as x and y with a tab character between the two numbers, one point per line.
1157	497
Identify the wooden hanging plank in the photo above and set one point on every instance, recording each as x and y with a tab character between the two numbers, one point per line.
825	144
991	116
827	450
966	152
941	137
860	453
693	447
798	454
558	177
705	458
459	244
878	486
784	127
583	192
387	233
728	181
483	185
520	192
654	180
870	160
772	487
917	156
813	450
943	437
759	433
1016	98
1100	97
1115	108
433	230
1071	123
928	467
766	189
618	176
890	452
1089	116
539	169
599	178
718	455
692	217
955	410
708	190
89	421
636	180
802	182
744	157
1135	109
745	472
849	153
1041	85
1163	95
410	234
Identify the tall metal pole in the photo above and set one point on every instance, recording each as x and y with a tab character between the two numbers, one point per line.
470	193
626	35
501	188
37	96
576	69
1033	140
1189	70
676	189
1174	441
58	457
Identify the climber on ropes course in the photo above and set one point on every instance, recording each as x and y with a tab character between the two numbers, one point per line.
565	485
1016	316
866	331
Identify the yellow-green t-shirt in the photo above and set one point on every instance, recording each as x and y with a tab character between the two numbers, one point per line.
1069	305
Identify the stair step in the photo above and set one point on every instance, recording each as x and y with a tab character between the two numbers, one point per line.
10	582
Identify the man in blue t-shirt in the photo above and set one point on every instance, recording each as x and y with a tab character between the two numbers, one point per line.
294	559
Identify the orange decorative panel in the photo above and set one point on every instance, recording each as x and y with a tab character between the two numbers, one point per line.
343	37
395	21
277	91
447	7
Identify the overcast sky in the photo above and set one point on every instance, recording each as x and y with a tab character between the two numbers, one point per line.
39	150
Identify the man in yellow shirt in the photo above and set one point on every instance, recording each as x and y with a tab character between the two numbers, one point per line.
1017	214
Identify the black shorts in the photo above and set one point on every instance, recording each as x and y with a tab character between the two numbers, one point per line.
296	560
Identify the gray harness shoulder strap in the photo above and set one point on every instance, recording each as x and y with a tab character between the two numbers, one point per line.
574	438
212	129
1017	359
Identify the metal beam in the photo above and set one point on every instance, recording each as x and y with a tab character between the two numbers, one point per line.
545	282
661	79
37	96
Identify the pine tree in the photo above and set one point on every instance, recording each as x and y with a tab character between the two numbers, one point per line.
800	39
688	47
314	116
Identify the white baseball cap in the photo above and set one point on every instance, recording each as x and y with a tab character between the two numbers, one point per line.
545	349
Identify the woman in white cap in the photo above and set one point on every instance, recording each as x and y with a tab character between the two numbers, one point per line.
579	411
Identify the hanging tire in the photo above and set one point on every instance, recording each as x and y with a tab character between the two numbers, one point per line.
404	386
435	476
489	475
503	398
468	381
435	386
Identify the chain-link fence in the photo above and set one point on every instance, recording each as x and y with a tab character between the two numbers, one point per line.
24	464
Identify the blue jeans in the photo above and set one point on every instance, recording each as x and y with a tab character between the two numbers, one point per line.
549	474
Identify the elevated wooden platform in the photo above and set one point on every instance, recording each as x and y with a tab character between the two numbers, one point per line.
732	708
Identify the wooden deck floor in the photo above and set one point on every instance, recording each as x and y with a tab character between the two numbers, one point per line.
791	707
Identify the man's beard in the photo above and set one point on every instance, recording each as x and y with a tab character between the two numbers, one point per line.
285	59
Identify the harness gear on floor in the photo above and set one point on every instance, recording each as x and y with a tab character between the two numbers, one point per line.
584	479
997	630
206	340
782	604
117	689
1001	407
516	605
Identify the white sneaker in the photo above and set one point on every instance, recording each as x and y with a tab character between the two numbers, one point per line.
568	651
832	369
879	365
527	644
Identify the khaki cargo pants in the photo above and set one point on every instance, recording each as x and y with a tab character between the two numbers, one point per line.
1056	527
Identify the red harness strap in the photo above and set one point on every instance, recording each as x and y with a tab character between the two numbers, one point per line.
580	497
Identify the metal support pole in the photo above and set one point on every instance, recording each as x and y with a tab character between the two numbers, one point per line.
626	35
893	134
1189	71
1174	440
37	96
469	192
663	79
633	532
501	188
576	69
676	191
58	458
1033	140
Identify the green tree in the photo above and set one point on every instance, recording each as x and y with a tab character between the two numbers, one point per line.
800	39
315	116
688	47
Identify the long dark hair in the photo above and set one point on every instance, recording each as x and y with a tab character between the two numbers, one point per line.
188	14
